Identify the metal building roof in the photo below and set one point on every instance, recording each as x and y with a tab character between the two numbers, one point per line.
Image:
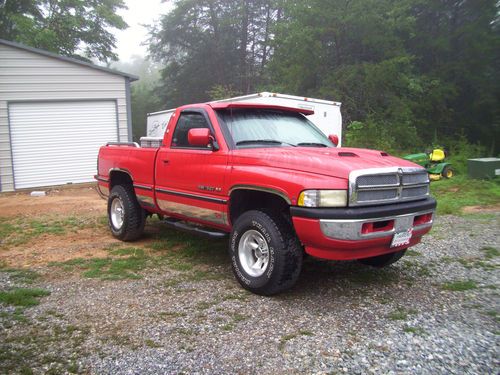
68	59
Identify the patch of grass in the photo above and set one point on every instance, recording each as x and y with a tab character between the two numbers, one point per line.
24	297
6	228
490	252
470	263
485	265
235	297
171	314
181	248
178	265
305	332
467	263
228	327
20	231
424	271
239	317
132	251
8	317
23	276
401	314
460	286
130	261
119	339
458	192
185	331
205	305
412	253
446	259
414	330
151	344
27	346
286	338
115	269
73	368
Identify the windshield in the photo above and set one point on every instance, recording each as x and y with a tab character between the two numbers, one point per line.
271	128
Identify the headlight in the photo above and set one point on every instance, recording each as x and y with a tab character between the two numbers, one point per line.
323	198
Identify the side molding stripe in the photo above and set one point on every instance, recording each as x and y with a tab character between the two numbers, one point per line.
143	187
193	196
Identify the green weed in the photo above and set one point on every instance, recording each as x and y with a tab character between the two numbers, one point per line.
21	276
151	344
401	314
459	286
21	231
414	330
24	297
490	252
286	338
238	317
412	253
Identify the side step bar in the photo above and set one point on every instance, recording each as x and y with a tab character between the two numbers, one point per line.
198	230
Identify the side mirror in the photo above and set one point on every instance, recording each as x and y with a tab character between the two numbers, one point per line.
334	138
199	137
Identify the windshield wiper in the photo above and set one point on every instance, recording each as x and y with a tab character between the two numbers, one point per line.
264	141
311	144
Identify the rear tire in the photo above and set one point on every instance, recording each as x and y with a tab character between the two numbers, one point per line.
266	255
381	261
126	218
447	172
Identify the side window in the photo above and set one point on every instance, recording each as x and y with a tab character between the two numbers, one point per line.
187	121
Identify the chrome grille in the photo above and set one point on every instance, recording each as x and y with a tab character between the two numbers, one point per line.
370	195
411	192
378	180
387	185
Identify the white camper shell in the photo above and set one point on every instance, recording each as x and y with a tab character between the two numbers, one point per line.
326	115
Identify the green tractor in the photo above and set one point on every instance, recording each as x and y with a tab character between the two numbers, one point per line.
434	163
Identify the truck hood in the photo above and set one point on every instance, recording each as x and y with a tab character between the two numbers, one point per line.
334	162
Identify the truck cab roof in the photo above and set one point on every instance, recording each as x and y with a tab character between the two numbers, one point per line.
226	105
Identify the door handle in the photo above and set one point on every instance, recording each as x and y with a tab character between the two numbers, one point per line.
165	161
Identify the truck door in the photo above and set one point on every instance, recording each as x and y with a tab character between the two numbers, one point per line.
189	179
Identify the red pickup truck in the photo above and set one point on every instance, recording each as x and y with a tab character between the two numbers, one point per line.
270	179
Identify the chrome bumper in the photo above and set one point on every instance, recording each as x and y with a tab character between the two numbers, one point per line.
352	229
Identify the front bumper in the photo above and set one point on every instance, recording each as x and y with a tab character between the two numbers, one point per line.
361	232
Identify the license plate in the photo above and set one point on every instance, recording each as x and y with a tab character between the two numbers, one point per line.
402	238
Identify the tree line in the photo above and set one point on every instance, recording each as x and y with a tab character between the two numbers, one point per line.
409	73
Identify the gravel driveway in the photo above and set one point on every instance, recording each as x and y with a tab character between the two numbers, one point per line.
433	312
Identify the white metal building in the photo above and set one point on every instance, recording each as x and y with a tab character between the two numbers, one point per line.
55	113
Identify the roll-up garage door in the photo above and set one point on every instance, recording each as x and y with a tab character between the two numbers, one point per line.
55	143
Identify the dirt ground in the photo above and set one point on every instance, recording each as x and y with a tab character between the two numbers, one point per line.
69	201
81	202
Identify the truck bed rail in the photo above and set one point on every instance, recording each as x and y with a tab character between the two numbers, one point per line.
134	144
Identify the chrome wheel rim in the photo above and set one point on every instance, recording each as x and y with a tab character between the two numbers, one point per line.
117	213
253	253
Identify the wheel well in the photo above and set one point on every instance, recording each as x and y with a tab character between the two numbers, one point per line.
243	200
119	178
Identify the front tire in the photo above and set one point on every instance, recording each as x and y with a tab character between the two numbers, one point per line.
126	218
381	261
266	255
